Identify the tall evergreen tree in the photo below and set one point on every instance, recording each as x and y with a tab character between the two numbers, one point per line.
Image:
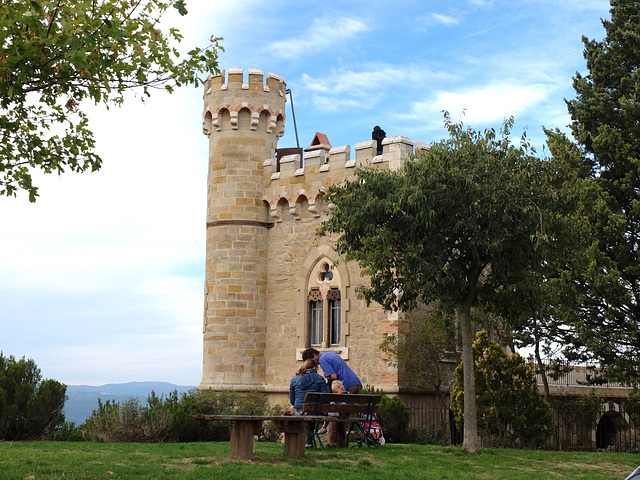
606	122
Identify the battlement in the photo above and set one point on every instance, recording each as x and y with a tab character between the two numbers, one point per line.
235	81
287	182
227	96
243	115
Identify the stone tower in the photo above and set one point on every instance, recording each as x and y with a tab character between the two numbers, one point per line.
243	121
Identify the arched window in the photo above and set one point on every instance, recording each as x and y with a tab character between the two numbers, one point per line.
315	318
324	307
323	303
334	306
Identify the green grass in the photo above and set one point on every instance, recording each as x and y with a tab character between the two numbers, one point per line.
68	460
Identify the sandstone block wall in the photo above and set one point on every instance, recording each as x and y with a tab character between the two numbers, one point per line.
262	245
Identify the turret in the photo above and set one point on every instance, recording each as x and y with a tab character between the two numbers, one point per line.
243	121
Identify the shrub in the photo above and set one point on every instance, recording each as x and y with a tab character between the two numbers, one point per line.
511	411
426	436
67	432
394	419
29	406
169	419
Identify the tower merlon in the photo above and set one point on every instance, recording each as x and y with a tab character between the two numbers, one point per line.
233	79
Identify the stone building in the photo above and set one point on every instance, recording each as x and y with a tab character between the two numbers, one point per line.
272	287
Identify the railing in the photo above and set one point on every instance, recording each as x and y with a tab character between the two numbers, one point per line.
602	426
576	376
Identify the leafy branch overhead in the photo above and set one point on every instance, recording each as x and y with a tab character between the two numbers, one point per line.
56	54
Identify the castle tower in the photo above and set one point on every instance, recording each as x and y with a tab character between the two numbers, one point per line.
243	121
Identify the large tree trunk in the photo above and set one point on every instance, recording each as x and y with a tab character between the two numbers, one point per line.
471	441
541	367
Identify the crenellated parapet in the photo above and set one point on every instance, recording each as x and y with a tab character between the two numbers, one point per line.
227	95
291	188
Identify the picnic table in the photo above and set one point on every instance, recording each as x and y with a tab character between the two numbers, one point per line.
317	408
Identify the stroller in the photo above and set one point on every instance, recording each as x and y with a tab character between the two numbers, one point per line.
369	431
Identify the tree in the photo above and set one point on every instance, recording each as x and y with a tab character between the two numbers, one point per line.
542	307
29	406
455	225
55	54
605	117
427	337
510	408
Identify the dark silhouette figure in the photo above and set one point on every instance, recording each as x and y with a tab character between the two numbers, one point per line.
378	135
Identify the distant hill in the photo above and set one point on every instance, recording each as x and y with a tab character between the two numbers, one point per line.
83	399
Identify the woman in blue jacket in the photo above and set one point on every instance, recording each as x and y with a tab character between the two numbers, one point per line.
306	380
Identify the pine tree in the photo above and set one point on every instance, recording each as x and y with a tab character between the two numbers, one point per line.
606	122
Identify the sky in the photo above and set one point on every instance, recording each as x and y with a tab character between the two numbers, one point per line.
102	279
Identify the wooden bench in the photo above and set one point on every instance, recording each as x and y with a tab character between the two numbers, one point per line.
341	408
244	427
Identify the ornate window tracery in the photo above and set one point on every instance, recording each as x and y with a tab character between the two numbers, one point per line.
324	307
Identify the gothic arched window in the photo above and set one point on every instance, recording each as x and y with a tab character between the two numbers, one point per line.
324	307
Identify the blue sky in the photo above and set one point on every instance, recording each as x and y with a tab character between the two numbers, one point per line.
101	280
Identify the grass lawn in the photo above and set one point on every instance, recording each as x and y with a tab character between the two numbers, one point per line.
69	460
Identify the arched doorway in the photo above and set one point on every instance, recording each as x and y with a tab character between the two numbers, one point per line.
605	432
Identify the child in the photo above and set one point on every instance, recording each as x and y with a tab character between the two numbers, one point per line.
337	387
335	430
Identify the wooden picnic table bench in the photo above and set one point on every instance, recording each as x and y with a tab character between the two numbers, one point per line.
316	409
341	408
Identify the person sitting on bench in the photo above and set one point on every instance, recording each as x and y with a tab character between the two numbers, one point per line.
306	380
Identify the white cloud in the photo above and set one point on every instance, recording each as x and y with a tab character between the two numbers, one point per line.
366	88
444	19
492	103
487	105
321	35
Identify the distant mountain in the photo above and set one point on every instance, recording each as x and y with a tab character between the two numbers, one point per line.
83	399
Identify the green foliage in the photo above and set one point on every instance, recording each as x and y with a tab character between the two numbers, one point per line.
168	419
633	406
30	407
428	336
371	390
67	432
197	461
589	406
605	116
511	411
460	225
427	436
55	55
394	418
541	305
431	229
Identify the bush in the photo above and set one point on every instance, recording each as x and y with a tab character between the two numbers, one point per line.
511	411
426	436
67	432
168	419
29	406
394	419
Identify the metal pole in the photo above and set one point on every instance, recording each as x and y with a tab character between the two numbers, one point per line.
295	127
